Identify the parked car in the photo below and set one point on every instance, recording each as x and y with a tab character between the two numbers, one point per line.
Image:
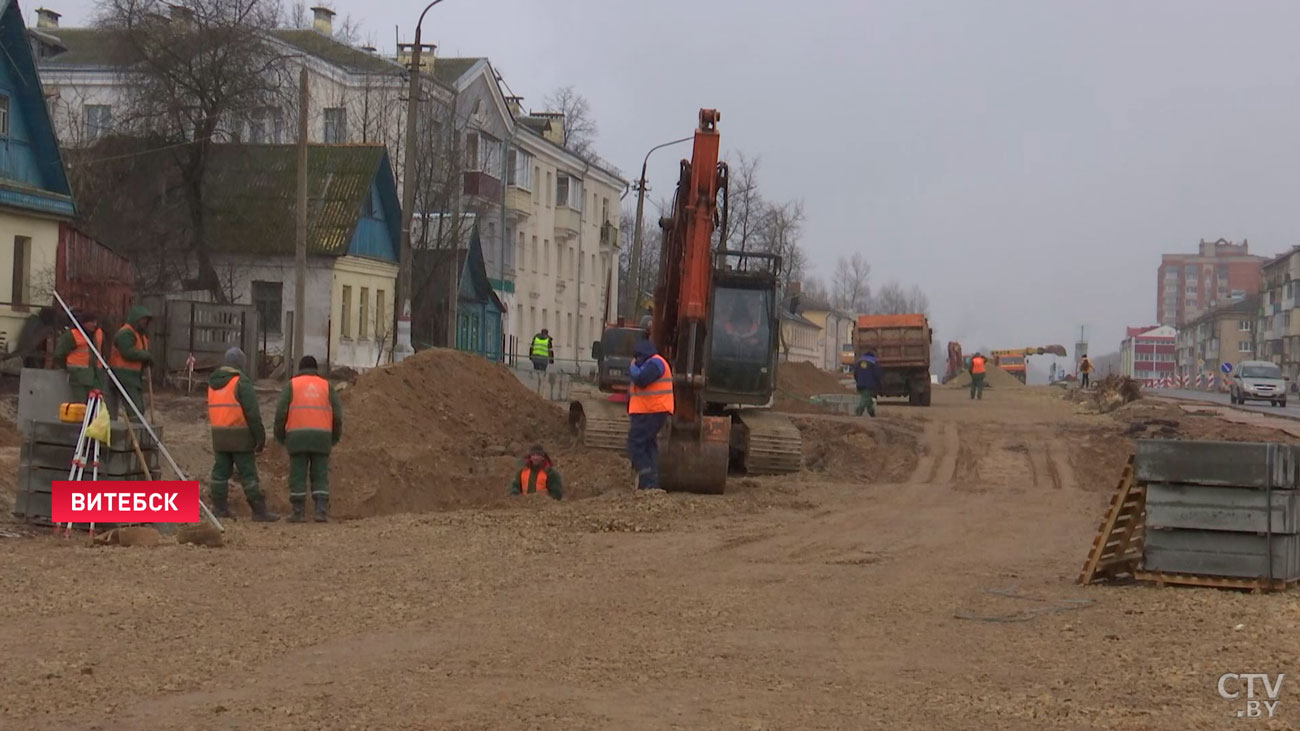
1257	380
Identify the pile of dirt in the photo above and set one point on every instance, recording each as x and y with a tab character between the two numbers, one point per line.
444	429
860	451
797	383
9	436
994	378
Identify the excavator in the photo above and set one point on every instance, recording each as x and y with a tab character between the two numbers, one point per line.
716	322
1013	361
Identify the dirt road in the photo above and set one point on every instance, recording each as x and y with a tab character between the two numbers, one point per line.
829	600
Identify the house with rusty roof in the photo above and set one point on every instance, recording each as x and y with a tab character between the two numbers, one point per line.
249	229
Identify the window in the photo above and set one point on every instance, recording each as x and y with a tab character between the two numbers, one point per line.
4	116
604	210
1244	346
21	288
1172	273
483	154
568	324
1191	288
519	169
336	125
345	317
534	255
537	175
362	326
381	326
545	323
268	299
99	120
519	252
548	189
265	125
546	261
568	192
562	190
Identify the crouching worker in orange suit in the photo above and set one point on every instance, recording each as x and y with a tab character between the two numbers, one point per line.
537	476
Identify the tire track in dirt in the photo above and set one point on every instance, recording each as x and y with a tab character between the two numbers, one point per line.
939	464
1059	462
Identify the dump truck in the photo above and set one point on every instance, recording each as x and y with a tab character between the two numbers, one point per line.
902	346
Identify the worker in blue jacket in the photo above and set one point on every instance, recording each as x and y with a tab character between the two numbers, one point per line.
650	401
866	374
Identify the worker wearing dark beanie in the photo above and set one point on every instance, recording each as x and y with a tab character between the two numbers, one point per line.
309	422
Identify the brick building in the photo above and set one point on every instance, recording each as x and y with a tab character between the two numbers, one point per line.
1189	285
1148	354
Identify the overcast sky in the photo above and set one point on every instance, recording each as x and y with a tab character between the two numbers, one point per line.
1024	162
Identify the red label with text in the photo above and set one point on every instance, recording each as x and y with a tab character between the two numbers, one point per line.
127	501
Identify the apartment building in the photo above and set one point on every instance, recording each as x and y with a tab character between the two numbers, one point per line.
1189	285
1277	336
1149	354
1225	334
548	219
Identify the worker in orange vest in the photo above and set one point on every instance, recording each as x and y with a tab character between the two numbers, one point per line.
650	402
237	435
84	371
309	422
130	356
977	369
537	476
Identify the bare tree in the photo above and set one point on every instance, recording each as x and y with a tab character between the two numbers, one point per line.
894	300
192	70
648	267
579	123
780	233
851	283
815	295
745	201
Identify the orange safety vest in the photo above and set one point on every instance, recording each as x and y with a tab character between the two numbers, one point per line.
657	398
977	365
116	360
224	409
80	356
309	407
539	488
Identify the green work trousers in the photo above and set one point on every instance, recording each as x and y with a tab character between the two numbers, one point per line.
136	395
243	462
977	386
80	394
300	465
866	402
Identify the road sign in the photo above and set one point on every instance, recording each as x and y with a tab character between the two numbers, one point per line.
1226	367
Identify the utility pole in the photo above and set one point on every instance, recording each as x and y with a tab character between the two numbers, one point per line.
634	263
402	347
300	249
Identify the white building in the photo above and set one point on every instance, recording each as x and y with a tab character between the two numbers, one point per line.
552	248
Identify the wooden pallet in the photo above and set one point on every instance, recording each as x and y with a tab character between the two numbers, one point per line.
1257	585
1117	549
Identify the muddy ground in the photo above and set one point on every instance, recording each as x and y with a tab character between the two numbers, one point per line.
838	598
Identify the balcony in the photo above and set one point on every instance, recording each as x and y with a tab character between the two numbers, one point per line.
609	235
519	204
482	185
568	223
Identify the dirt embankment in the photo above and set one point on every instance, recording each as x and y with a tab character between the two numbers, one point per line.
860	451
797	383
440	430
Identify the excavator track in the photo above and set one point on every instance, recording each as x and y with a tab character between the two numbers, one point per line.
772	443
599	424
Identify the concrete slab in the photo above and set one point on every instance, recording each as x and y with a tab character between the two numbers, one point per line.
1224	464
1220	553
58	432
40	392
59	457
1222	508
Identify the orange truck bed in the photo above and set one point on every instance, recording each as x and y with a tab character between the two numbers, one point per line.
897	340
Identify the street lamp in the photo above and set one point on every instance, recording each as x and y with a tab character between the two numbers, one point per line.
402	347
634	264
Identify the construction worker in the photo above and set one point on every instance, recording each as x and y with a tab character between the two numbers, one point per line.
542	352
1085	371
866	374
650	401
131	354
237	434
978	367
537	476
84	371
309	422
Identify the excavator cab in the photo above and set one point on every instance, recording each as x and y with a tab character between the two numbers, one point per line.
740	362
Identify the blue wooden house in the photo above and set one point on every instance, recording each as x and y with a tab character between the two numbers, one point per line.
34	193
479	312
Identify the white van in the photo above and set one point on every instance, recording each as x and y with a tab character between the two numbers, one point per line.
1257	380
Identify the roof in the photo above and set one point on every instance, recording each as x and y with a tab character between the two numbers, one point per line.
798	319
337	53
87	47
449	70
869	321
1246	306
250	189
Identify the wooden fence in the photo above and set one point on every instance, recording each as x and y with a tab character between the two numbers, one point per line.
205	330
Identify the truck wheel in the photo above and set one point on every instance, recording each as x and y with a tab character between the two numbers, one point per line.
925	397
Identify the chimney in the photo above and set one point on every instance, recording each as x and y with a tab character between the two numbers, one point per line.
323	21
46	19
555	130
181	14
516	105
404	51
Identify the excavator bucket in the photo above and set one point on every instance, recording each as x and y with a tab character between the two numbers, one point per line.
691	463
1055	350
